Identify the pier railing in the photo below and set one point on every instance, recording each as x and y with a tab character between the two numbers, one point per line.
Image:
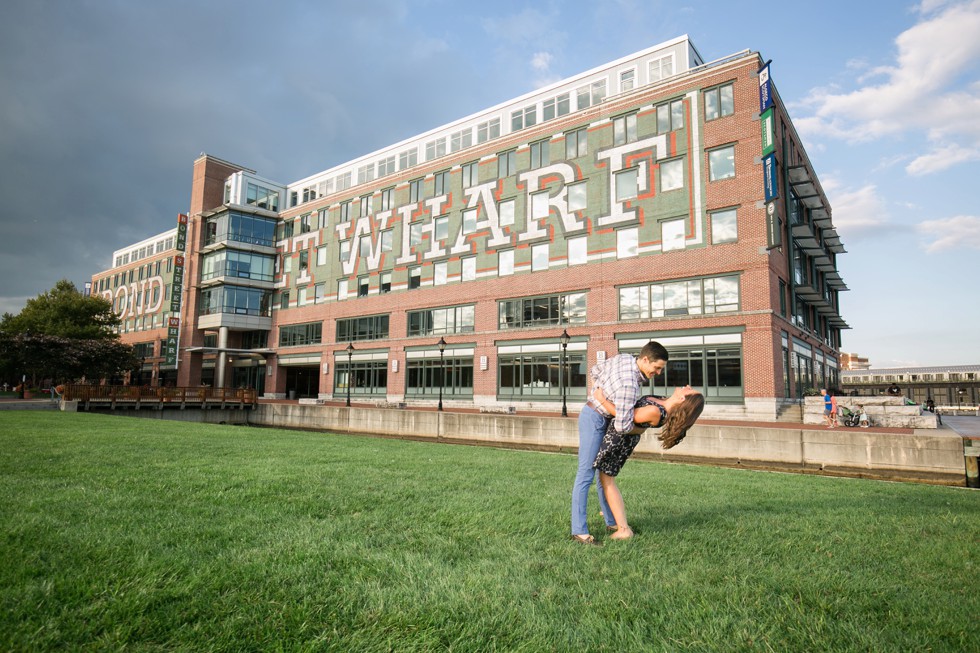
140	396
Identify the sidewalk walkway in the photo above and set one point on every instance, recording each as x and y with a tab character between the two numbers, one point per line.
965	426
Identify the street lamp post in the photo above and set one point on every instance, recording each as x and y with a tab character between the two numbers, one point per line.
442	368
564	338
350	371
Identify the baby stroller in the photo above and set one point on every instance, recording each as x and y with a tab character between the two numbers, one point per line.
847	417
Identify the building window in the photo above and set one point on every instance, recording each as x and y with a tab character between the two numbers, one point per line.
345	250
386	166
469	220
541	376
721	163
577	197
539	205
594	93
670	116
440	273
368	327
547	310
263	198
718	370
341	290
442	321
690	297
578	253
386	199
469	268
540	154
319	293
719	102
461	139
470	174
672	175
626	184
782	298
343	181
627	241
345	211
415	234
441	227
523	118
488	130
660	68
449	376
365	173
366	205
555	107
539	257
505	213
304	259
724	227
295	335
435	149
576	144
672	234
441	182
506	164
624	129
505	262
415	190
363	285
414	278
385	286
408	158
627	80
360	378
284	299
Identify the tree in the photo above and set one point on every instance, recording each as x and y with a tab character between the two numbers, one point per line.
62	334
64	312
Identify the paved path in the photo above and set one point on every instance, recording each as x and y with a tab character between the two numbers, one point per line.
965	426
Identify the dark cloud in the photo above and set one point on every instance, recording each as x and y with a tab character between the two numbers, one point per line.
104	105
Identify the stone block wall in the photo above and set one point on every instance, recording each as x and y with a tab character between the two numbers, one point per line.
882	411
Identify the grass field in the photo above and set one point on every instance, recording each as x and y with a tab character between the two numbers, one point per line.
119	533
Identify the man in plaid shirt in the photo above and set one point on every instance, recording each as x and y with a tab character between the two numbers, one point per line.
621	378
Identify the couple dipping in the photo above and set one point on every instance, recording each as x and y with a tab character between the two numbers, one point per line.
610	425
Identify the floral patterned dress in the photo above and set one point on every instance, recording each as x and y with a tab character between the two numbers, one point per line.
617	447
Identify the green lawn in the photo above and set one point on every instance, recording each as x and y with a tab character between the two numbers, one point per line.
138	534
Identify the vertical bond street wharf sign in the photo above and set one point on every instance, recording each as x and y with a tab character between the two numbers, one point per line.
176	293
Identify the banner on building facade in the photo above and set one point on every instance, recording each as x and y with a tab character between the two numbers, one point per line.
177	288
768	120
774	229
765	87
769	177
181	243
173	340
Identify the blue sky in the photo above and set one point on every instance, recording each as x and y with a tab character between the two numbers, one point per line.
105	104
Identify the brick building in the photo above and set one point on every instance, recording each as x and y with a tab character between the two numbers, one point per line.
644	199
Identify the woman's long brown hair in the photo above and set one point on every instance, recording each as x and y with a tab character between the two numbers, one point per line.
681	418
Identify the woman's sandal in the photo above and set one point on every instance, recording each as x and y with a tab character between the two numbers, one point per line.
585	539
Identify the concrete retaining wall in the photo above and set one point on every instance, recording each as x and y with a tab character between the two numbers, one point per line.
933	455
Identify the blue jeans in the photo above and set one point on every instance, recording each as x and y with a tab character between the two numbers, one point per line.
591	429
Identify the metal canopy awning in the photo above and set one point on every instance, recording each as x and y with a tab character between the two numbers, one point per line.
803	234
805	186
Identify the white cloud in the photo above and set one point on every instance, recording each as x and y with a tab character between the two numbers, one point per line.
921	92
856	212
961	231
941	159
541	61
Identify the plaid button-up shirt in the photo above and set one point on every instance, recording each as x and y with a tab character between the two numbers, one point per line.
620	379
